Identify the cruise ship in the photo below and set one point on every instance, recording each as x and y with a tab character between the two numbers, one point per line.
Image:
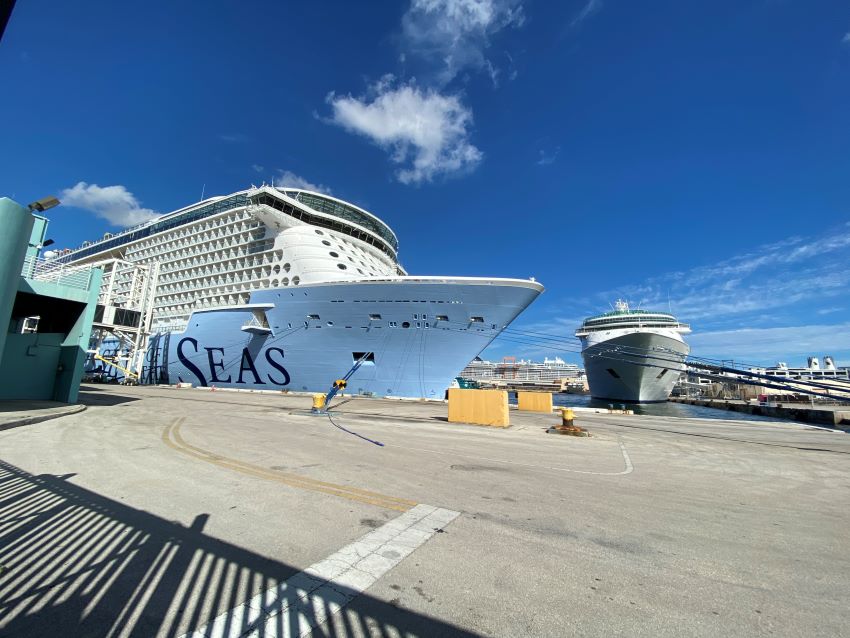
634	356
511	369
286	289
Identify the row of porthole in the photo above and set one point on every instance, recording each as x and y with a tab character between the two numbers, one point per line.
285	281
335	255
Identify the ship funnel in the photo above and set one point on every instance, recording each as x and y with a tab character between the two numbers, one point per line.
828	363
814	363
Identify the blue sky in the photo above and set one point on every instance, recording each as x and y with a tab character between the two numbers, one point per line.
691	155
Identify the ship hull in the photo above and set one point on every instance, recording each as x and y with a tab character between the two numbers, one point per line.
421	334
614	375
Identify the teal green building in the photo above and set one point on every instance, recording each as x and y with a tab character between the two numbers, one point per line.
46	312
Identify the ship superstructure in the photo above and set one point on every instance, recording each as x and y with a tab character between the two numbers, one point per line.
278	288
632	355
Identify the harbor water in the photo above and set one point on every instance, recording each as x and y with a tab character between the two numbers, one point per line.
666	409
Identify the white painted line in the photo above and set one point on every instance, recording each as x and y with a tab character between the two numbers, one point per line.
305	601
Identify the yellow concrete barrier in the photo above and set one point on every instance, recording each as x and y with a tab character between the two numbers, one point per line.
479	407
535	401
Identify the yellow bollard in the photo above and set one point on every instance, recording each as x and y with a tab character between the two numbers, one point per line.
318	402
567	425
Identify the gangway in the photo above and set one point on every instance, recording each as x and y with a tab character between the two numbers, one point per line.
128	374
124	314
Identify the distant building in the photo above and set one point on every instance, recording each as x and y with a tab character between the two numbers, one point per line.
812	371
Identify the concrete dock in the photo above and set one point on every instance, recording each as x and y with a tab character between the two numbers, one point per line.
163	512
833	416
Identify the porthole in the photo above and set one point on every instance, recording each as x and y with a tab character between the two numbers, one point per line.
326	242
318	232
342	266
333	254
284	281
405	324
286	267
330	324
274	283
276	268
296	280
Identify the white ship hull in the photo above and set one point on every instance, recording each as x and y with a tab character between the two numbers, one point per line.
633	366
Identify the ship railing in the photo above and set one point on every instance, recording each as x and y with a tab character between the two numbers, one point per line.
56	272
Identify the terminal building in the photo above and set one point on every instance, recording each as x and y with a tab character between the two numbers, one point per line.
46	311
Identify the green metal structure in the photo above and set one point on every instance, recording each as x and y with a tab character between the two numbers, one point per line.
46	313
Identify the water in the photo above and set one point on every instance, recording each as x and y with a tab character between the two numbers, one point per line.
682	410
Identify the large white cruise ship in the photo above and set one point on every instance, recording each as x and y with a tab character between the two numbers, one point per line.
633	356
285	288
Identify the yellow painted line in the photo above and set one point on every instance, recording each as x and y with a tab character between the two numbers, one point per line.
172	438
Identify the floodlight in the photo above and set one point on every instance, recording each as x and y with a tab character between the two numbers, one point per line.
44	203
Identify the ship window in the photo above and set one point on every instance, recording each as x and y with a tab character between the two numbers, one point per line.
442	317
342	266
476	319
370	357
405	324
285	281
330	324
416	316
374	317
313	316
333	254
318	232
286	267
427	325
326	242
276	268
613	373
296	280
662	373
393	324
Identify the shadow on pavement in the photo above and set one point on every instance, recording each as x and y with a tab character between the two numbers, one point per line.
90	396
74	563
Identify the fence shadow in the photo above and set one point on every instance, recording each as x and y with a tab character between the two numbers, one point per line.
74	563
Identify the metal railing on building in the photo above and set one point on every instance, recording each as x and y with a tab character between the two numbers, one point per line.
55	272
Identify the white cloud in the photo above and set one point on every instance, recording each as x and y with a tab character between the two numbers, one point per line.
426	132
233	138
258	168
767	345
113	203
746	307
545	158
591	7
846	38
288	179
453	35
772	276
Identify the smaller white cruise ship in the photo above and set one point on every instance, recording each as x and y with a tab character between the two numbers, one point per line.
522	371
634	356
